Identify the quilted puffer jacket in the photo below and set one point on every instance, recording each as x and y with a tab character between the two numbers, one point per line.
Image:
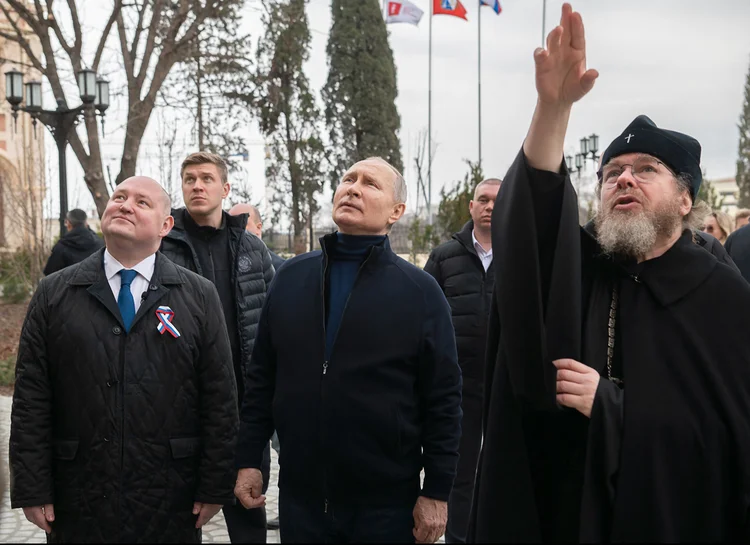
459	271
122	432
251	275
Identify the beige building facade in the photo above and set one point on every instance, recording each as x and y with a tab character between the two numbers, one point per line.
22	159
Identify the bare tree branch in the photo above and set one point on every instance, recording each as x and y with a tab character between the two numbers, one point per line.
156	15
19	37
76	28
138	29
116	9
127	59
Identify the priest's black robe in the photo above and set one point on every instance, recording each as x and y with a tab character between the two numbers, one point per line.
665	458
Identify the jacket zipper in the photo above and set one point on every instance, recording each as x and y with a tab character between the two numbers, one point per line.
325	369
326	362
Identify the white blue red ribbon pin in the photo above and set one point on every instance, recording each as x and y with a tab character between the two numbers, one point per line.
165	315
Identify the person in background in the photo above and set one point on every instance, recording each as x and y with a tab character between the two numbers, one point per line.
463	269
124	419
720	225
207	240
255	226
741	218
77	243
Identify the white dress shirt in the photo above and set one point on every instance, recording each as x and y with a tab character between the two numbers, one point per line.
484	255
138	287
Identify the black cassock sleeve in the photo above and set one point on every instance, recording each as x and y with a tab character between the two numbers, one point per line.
536	244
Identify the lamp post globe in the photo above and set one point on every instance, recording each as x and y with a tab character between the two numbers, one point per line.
87	85
14	87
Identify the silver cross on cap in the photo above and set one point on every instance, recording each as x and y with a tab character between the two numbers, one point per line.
628	137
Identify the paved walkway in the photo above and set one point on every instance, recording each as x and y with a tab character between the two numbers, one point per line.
14	528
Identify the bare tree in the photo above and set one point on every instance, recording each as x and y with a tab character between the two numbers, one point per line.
153	35
24	194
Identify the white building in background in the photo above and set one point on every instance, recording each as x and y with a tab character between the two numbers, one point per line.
728	191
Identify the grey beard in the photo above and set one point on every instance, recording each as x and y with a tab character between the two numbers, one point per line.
624	234
635	235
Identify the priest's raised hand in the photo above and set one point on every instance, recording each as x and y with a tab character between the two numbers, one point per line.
561	75
561	80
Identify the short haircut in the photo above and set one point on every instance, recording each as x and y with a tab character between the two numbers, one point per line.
255	214
742	213
166	200
400	191
203	158
488	181
76	217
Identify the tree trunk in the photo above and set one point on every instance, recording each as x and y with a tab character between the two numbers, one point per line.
138	117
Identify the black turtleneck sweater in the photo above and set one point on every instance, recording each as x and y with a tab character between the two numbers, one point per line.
349	253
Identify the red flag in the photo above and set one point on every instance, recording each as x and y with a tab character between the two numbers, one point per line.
449	7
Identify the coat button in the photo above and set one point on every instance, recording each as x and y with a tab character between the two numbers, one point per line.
117	330
106	440
153	287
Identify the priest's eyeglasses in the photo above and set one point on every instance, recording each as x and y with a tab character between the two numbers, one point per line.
644	169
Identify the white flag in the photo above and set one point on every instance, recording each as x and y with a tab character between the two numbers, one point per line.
402	11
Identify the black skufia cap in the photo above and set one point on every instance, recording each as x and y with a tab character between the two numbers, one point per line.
680	152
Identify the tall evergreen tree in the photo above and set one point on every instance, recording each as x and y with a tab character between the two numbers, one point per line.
360	94
289	117
743	159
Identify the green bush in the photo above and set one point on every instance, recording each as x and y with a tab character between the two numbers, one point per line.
8	371
14	292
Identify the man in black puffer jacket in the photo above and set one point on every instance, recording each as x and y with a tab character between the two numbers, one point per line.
124	421
463	268
76	245
207	240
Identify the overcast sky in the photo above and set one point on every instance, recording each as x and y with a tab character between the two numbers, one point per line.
681	62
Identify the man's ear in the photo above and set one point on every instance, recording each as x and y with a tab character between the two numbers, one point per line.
166	226
226	189
396	213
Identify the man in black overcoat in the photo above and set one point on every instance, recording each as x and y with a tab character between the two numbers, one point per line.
124	419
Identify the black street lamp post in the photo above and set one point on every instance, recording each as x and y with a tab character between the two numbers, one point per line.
94	93
589	151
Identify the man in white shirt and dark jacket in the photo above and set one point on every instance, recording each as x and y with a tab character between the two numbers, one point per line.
355	367
616	411
124	419
463	269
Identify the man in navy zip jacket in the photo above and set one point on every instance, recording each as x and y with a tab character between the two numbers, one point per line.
355	366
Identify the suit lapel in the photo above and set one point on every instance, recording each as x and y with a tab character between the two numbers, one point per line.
165	274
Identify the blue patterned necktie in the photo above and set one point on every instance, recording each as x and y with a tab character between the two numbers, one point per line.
125	298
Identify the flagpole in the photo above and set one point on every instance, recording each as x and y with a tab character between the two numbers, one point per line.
429	126
544	21
479	79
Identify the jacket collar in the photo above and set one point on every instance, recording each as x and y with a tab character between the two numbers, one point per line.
464	236
91	271
676	273
232	222
328	241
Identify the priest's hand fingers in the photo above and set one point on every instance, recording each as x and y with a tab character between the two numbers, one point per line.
570	376
575	388
572	401
573	365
